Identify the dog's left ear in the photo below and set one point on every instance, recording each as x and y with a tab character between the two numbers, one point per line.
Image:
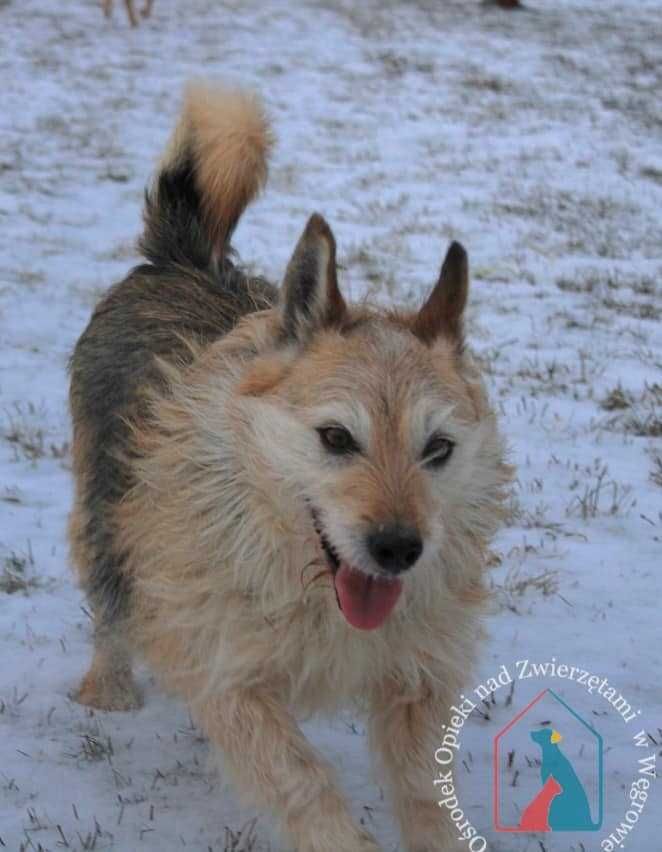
442	313
310	298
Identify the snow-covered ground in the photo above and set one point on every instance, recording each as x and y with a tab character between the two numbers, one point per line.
533	137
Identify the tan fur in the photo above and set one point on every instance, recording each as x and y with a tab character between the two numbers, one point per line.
221	577
404	734
78	518
262	741
232	598
230	139
109	683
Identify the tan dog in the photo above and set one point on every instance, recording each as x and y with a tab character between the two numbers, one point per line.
146	11
283	501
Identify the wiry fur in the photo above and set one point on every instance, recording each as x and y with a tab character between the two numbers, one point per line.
212	462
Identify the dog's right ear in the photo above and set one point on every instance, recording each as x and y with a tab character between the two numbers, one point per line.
442	313
310	298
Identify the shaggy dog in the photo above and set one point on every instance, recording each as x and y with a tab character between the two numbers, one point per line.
283	501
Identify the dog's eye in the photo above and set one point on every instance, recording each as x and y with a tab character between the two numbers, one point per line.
337	440
437	451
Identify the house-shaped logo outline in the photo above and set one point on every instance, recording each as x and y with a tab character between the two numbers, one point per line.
497	779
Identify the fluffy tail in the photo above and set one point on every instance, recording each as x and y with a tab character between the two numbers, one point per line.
214	166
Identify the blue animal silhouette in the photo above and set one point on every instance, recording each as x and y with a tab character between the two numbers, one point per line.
570	810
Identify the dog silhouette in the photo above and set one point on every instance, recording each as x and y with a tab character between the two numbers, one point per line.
569	811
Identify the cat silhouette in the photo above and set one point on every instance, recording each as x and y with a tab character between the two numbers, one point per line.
535	816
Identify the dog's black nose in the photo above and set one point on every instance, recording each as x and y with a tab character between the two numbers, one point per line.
395	548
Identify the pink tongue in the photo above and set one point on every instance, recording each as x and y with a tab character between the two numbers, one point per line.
366	601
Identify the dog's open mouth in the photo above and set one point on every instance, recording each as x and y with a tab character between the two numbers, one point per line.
365	600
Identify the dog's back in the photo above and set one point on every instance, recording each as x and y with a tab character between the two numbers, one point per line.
190	293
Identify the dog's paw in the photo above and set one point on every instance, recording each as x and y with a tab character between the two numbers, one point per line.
326	825
119	693
363	842
439	842
351	841
427	828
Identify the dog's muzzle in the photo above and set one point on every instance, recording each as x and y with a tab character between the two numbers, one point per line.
365	599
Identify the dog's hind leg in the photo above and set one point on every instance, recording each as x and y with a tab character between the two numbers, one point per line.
146	10
107	6
273	761
109	683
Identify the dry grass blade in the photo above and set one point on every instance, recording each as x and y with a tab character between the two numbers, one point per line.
243	840
15	573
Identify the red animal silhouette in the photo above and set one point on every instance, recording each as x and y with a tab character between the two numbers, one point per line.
536	815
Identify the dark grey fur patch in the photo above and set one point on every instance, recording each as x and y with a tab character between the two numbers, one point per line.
175	231
151	313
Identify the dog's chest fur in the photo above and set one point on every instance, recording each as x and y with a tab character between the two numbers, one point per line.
246	592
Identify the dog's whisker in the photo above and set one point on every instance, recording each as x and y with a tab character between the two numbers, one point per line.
318	576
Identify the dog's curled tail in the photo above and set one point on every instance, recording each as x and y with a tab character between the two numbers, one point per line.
215	164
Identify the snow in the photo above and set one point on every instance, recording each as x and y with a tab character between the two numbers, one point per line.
533	137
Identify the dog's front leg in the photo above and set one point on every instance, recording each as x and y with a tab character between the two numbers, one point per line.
405	735
272	760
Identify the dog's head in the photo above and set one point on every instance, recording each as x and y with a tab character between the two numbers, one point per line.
377	423
546	736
